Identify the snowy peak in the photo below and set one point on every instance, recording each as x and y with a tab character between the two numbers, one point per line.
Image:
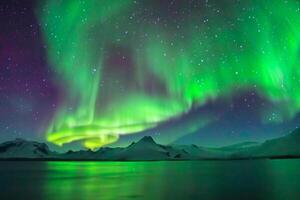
147	140
145	149
279	147
20	148
145	143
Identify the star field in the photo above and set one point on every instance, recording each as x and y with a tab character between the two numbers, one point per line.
106	72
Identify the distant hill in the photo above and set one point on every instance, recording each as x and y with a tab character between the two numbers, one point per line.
147	149
239	146
284	146
196	152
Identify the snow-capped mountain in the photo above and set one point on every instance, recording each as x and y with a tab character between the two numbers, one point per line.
147	149
20	148
285	146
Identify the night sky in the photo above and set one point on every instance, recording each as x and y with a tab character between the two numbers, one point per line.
91	73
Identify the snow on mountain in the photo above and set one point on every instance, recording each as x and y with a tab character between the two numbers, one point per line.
77	155
148	149
144	149
20	148
196	152
285	146
105	153
288	145
239	146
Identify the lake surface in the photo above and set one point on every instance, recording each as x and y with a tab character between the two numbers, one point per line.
257	179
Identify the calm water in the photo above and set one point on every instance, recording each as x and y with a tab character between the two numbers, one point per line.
260	179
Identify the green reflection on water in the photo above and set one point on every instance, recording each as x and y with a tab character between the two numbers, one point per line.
261	179
106	180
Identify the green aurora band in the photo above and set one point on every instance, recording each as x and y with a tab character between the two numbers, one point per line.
167	68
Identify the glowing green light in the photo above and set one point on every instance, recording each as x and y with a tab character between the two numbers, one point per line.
171	70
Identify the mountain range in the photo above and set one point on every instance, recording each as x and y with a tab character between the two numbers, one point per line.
146	149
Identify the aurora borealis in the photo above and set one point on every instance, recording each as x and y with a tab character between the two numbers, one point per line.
173	69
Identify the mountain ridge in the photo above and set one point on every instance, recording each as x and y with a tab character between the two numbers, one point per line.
146	149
